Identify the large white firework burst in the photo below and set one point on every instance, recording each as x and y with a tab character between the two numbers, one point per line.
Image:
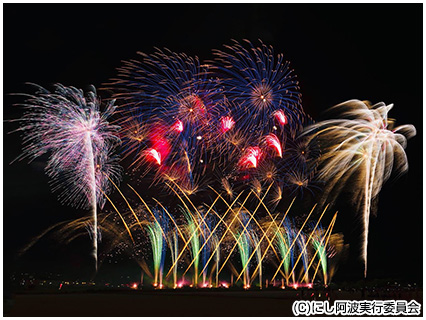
71	129
362	144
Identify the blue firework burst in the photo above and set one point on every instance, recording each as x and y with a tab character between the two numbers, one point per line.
260	84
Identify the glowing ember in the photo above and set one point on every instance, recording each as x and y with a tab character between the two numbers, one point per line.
273	142
251	158
178	126
227	124
280	116
154	155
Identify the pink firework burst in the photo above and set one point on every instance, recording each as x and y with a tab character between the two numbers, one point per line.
274	143
251	157
70	127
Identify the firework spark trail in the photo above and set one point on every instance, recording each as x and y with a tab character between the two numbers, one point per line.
200	216
211	235
226	231
331	226
198	229
226	123
273	142
282	220
199	219
216	252
174	250
363	143
172	219
242	239
127	202
257	249
280	116
121	217
244	246
252	217
318	244
303	244
265	235
273	222
251	243
283	243
244	225
320	250
215	242
92	184
192	229
71	128
294	240
206	235
67	231
157	231
152	212
251	157
186	244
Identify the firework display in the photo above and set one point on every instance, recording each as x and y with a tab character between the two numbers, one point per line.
72	129
365	144
222	165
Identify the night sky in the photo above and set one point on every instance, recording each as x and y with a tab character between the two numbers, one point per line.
339	52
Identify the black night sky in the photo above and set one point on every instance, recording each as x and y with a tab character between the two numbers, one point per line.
339	52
